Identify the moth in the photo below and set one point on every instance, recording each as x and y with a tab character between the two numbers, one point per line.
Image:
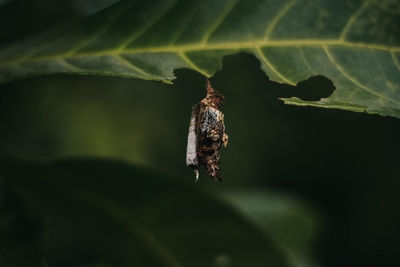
206	134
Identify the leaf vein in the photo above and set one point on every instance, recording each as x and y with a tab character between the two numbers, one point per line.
354	80
352	19
130	65
69	64
178	33
218	21
218	46
191	64
148	25
396	62
99	32
382	72
306	60
272	67
275	20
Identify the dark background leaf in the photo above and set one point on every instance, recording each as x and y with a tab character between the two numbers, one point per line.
292	224
98	211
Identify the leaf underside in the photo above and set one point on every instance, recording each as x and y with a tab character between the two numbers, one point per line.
355	43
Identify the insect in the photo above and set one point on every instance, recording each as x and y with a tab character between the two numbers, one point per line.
206	134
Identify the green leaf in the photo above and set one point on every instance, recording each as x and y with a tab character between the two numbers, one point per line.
355	43
291	223
117	215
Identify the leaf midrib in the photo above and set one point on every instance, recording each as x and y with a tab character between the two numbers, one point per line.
212	46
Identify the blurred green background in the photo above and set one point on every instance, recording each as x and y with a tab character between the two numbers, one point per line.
345	165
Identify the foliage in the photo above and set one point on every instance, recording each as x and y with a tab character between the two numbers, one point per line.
353	43
108	212
98	211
